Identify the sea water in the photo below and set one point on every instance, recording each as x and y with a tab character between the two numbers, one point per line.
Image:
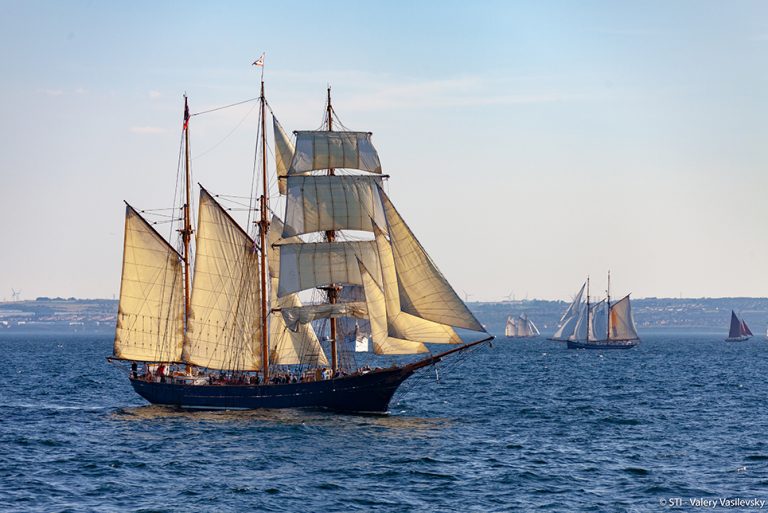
524	426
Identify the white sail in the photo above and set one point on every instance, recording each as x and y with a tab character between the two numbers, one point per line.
308	265
305	314
299	345
150	316
598	329
509	328
424	291
568	321
622	322
581	329
402	324
325	150
283	154
224	329
533	329
323	203
377	312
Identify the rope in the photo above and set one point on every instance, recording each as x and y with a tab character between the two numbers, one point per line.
223	107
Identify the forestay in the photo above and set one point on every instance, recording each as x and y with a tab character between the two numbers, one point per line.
224	329
150	317
320	149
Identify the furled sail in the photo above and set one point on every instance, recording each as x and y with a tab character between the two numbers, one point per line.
283	154
294	316
568	321
150	317
324	150
224	328
424	291
288	346
309	265
323	203
402	324
377	312
622	322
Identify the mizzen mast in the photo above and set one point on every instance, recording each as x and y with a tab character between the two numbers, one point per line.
263	229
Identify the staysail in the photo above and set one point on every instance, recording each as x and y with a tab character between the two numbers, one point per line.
567	323
424	291
283	154
622	321
150	316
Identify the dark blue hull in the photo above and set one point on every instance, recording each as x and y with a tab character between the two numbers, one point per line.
369	392
597	345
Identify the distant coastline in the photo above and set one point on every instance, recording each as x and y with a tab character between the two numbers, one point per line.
77	314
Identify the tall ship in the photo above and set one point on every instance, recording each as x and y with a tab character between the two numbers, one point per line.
244	316
739	331
520	327
603	325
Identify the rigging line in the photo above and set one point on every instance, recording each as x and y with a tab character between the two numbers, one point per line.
223	107
238	125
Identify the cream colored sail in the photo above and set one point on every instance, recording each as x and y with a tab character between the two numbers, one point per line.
377	312
568	321
323	203
324	150
622	322
308	265
288	346
294	316
424	291
224	329
283	154
402	324
150	317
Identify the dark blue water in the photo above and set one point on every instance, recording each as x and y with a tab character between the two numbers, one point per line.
525	426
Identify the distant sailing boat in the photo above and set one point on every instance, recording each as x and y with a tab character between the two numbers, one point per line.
739	331
522	327
604	325
237	336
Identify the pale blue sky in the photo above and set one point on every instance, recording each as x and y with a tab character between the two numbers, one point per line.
529	143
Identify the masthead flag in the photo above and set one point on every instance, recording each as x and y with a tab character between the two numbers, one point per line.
260	61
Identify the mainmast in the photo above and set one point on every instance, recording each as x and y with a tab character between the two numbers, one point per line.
330	236
186	233
263	228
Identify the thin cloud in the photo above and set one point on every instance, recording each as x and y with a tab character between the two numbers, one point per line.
147	130
154	95
51	92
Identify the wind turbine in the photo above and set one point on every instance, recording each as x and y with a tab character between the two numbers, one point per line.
466	296
15	294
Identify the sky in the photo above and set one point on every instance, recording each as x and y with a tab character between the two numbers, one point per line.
529	143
